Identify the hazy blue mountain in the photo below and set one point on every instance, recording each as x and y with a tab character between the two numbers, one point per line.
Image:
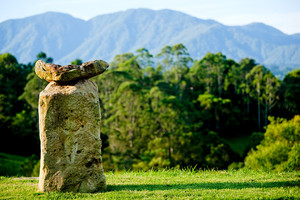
66	38
54	33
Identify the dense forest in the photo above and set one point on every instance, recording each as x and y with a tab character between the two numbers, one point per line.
160	111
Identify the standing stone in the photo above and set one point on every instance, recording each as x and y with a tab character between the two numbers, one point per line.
69	120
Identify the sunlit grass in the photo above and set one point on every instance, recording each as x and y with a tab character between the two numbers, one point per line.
173	184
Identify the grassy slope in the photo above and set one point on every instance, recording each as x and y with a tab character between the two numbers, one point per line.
173	184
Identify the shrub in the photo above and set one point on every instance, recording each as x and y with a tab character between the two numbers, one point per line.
36	170
236	166
279	150
13	165
28	165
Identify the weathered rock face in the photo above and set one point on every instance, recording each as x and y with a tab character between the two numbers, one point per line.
69	119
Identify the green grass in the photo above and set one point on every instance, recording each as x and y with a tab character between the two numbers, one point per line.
173	184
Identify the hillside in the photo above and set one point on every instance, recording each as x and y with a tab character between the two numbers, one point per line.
66	38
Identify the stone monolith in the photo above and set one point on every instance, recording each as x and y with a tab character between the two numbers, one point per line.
69	122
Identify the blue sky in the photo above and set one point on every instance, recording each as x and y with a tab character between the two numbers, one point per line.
282	14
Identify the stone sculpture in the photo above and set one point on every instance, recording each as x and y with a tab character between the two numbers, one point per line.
69	123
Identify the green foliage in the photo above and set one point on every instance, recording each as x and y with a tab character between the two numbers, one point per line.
147	121
32	90
162	111
236	166
8	59
293	162
36	170
144	58
34	84
291	92
12	81
12	165
279	149
256	138
43	56
240	144
76	62
27	167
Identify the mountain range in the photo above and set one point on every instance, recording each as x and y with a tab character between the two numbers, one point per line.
66	38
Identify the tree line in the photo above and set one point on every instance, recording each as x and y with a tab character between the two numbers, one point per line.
167	110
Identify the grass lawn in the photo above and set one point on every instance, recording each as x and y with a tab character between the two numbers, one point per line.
172	184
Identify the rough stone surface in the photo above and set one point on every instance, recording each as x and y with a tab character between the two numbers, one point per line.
70	138
52	72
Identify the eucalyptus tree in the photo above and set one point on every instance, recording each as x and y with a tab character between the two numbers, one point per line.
150	73
124	121
181	60
144	58
165	58
246	65
233	77
271	93
174	61
168	117
256	79
213	68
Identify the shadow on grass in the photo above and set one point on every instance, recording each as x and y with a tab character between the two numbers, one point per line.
217	186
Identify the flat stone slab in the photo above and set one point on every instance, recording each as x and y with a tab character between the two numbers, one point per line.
64	74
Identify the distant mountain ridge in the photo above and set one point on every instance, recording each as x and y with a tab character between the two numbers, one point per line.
66	38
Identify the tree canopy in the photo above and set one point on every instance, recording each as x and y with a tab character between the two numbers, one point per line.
164	110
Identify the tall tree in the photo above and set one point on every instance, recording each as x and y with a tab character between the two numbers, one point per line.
246	66
291	92
271	93
256	79
214	68
214	104
233	77
166	109
144	58
181	60
150	73
165	58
